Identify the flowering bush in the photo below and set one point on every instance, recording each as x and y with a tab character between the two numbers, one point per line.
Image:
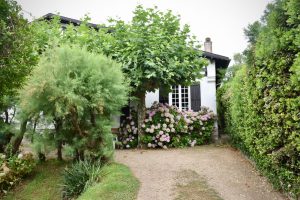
166	126
128	132
12	169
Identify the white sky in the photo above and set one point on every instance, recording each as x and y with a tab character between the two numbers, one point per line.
221	20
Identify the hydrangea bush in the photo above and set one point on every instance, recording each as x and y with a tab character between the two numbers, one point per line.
128	135
166	126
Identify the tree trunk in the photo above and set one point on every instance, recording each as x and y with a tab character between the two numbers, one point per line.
141	112
79	155
93	118
58	127
16	141
59	151
6	117
75	122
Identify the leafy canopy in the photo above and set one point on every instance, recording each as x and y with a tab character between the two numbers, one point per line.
16	49
155	51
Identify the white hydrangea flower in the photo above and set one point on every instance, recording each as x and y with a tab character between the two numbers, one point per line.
2	156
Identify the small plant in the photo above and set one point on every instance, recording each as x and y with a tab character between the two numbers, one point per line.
13	168
79	177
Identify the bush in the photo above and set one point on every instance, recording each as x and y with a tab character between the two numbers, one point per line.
128	135
14	168
261	104
166	126
79	177
79	96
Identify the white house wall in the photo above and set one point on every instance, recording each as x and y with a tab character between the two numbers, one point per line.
151	97
208	88
208	93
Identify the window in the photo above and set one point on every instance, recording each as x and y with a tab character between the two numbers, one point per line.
180	97
175	96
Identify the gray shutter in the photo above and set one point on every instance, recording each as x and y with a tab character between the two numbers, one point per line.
163	96
195	97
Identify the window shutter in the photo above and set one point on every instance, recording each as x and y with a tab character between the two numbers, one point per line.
163	96
195	97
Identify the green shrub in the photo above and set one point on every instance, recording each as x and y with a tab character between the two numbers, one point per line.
79	96
13	169
79	177
261	104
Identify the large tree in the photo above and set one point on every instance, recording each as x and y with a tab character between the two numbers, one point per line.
16	48
17	58
155	51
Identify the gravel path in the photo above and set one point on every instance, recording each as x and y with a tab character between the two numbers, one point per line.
224	169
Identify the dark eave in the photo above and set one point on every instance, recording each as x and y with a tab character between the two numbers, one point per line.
221	61
67	20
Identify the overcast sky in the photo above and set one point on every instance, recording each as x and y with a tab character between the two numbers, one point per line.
221	20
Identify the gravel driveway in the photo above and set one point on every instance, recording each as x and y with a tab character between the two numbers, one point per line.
226	171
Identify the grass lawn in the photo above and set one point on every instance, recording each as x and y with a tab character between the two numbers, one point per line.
117	183
42	185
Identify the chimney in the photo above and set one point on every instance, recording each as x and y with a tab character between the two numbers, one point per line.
208	45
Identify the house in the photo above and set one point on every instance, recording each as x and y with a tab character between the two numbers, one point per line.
201	93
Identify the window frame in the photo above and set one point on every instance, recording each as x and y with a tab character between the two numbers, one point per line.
180	97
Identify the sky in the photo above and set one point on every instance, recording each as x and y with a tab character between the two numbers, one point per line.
221	20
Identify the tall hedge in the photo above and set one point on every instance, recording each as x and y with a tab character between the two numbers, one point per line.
261	104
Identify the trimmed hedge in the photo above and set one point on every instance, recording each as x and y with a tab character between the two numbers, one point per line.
261	104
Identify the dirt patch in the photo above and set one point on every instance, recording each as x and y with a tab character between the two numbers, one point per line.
190	186
224	169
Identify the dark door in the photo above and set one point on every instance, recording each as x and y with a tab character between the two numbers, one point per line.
163	95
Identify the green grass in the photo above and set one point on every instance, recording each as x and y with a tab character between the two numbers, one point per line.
117	183
42	185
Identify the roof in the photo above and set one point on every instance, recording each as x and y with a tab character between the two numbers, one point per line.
221	61
67	20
